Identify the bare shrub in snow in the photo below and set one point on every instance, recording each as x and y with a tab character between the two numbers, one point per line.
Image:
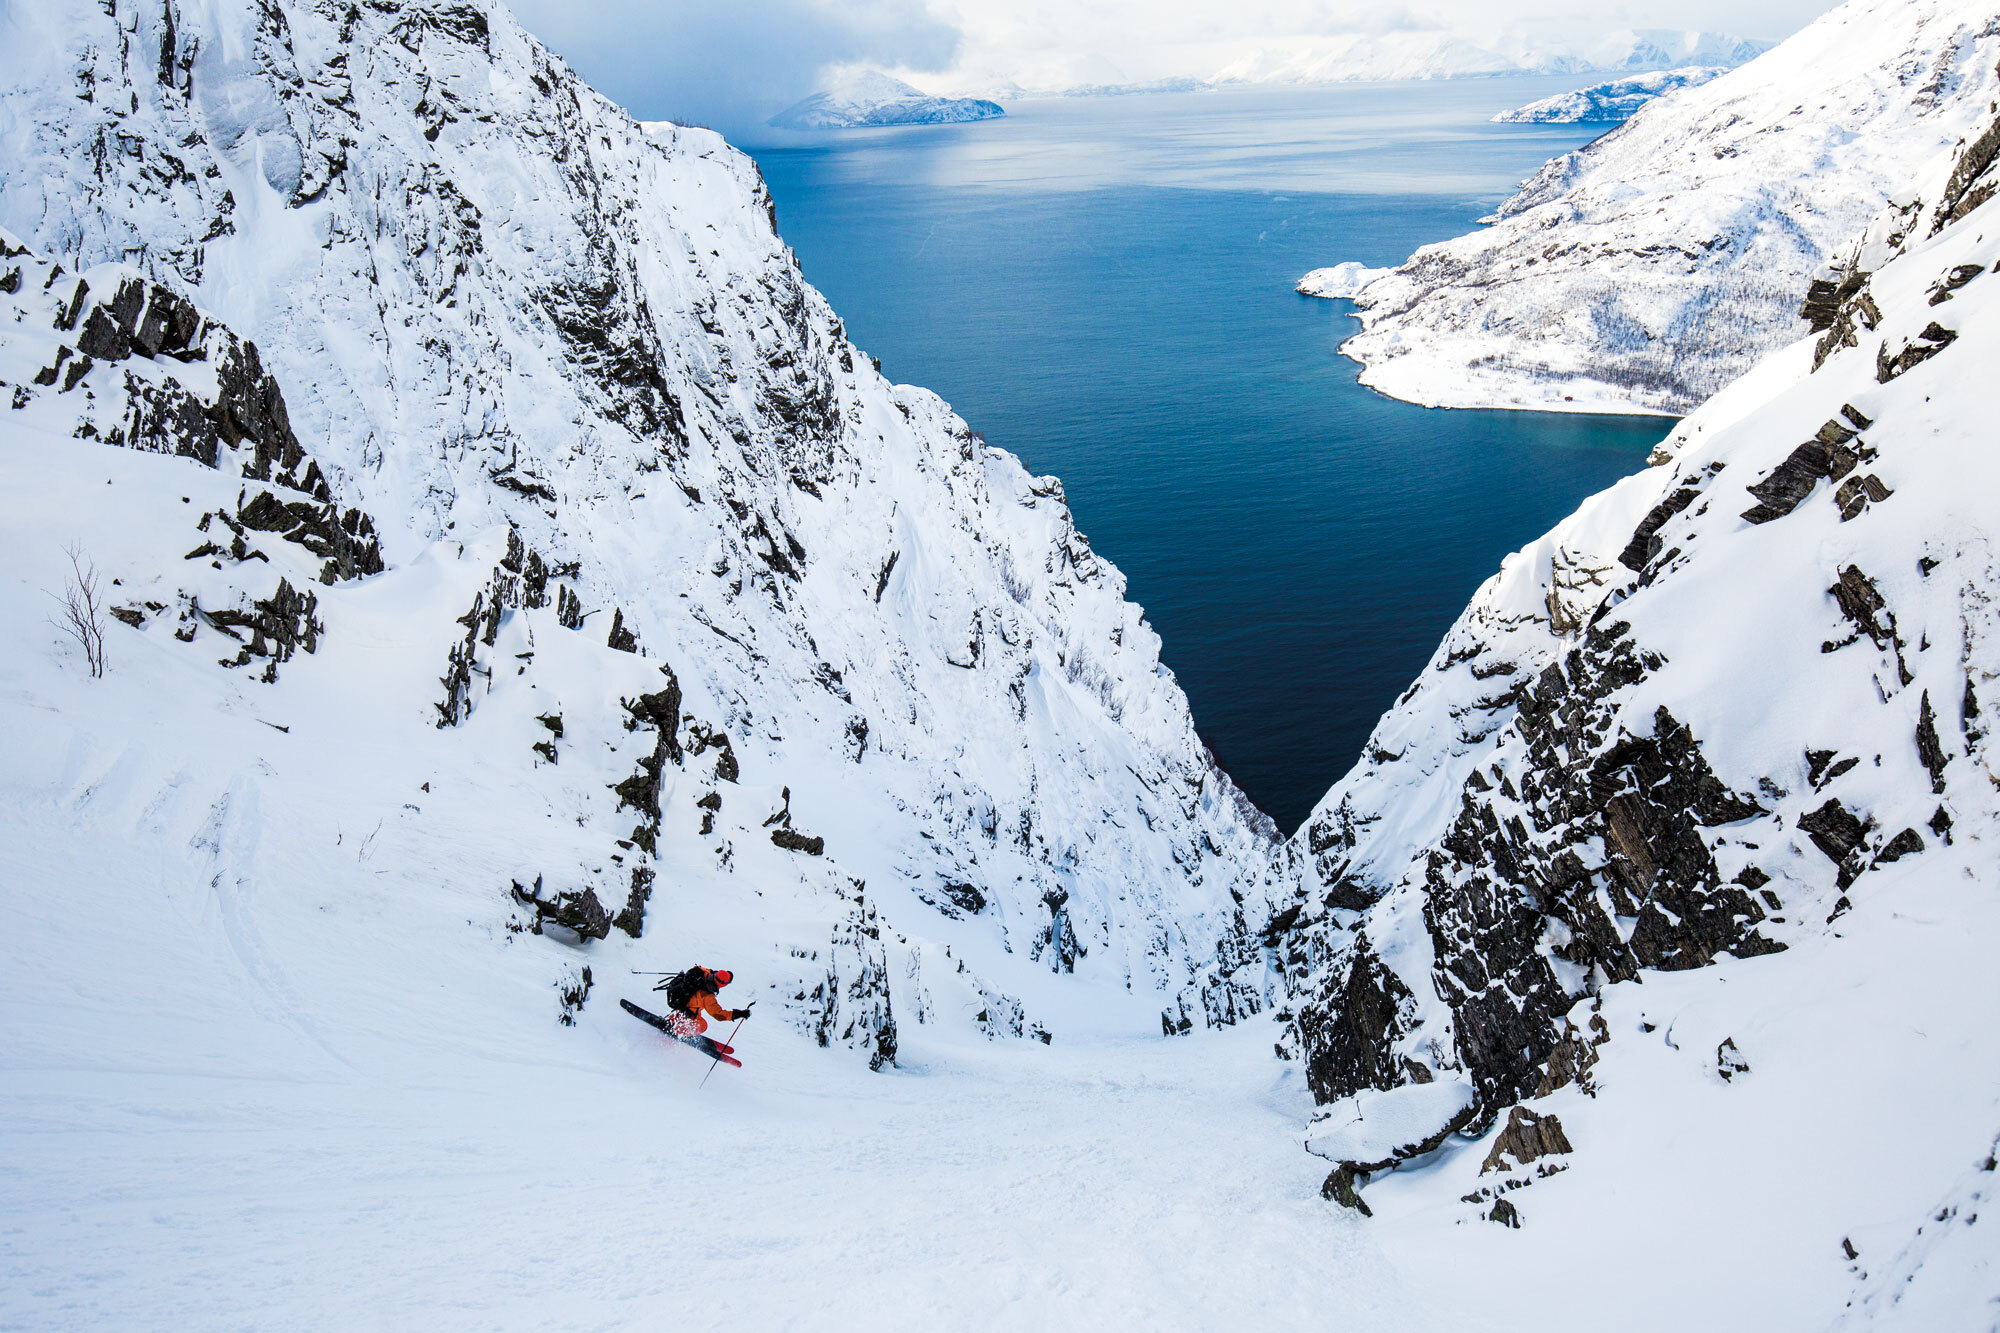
82	617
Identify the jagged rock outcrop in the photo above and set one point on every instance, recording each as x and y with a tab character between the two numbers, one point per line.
849	1004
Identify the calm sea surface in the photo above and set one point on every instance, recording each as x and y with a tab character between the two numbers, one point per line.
1104	287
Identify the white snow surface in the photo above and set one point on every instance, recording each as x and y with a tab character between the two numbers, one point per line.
1372	1126
1647	270
1612	101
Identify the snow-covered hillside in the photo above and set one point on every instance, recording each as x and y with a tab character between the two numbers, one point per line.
864	98
1610	102
573	374
1683	846
1647	270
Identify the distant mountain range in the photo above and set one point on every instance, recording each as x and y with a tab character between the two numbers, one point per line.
1389	57
1354	57
865	98
1609	103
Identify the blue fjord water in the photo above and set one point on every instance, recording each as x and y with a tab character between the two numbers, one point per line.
1104	287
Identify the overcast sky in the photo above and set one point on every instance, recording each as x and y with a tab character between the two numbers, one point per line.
731	62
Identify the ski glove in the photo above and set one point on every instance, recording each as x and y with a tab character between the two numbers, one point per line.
744	1012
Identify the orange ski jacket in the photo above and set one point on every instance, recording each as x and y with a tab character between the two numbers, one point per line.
704	1002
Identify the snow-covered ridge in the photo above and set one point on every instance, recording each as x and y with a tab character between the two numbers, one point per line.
1650	268
1359	57
1610	102
525	333
1690	822
867	98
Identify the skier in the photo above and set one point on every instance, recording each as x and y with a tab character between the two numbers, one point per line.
692	994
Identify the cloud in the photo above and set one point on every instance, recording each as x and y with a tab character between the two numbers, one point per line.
732	63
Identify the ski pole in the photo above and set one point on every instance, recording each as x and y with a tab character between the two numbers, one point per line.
718	1060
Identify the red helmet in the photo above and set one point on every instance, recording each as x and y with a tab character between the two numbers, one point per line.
723	976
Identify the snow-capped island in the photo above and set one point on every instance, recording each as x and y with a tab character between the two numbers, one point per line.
863	99
1610	102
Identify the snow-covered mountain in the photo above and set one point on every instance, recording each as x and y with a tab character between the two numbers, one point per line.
572	373
1446	54
1639	49
1650	268
1609	102
863	98
1679	856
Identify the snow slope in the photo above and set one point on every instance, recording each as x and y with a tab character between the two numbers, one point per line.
283	1053
1610	102
864	98
1685	838
1647	270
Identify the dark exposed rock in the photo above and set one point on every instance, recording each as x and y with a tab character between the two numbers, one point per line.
579	913
1966	188
702	738
1791	481
1957	277
621	639
165	418
1856	595
249	407
1834	829
660	710
572	993
1907	843
794	841
1857	493
1826	296
966	897
46	376
1729	1061
1821	768
1339	1187
1057	939
569	610
1526	1137
1646	543
1348	1033
1505	1214
1934	339
107	332
1574	1056
169	327
1929	749
66	316
631	918
1495	883
1841	311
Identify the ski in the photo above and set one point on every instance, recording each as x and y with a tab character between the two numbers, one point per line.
714	1049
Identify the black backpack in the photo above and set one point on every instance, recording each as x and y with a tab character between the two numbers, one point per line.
682	989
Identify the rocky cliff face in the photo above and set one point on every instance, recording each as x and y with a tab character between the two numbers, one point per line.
496	305
1652	267
1702	718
